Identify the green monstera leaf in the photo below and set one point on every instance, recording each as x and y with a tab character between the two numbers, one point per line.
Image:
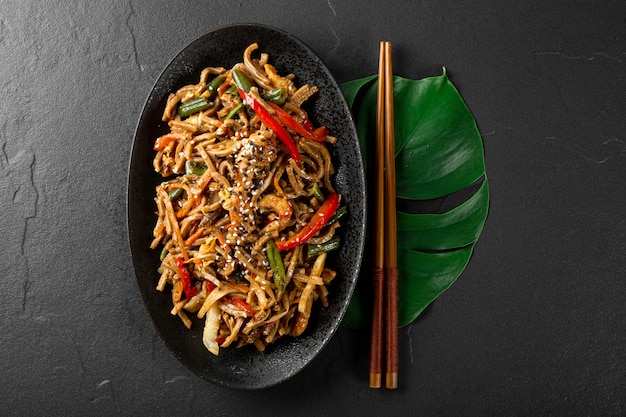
441	187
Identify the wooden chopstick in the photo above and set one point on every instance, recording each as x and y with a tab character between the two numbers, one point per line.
385	271
391	262
376	346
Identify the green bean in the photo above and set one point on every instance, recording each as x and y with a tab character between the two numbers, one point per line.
193	106
276	96
241	80
214	85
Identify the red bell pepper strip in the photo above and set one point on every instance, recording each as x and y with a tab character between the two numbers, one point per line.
209	286
238	302
319	220
307	130
162	141
185	277
271	123
320	133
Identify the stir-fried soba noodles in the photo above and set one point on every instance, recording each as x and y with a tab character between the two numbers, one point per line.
248	213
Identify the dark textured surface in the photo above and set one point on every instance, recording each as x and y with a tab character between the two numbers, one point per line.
247	368
535	325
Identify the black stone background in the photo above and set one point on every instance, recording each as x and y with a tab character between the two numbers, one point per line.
535	325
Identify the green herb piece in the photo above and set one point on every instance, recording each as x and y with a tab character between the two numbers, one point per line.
195	168
175	193
276	264
341	211
315	191
276	96
233	112
315	249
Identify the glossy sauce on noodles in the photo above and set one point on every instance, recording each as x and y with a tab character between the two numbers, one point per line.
247	213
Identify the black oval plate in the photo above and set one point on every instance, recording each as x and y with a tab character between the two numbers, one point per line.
246	368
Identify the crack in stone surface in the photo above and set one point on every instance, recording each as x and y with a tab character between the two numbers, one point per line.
18	182
592	57
331	28
130	29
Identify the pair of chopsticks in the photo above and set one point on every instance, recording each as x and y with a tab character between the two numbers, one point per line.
385	267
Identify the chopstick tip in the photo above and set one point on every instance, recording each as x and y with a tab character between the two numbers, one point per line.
375	380
391	380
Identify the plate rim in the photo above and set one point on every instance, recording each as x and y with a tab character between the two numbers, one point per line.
363	192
